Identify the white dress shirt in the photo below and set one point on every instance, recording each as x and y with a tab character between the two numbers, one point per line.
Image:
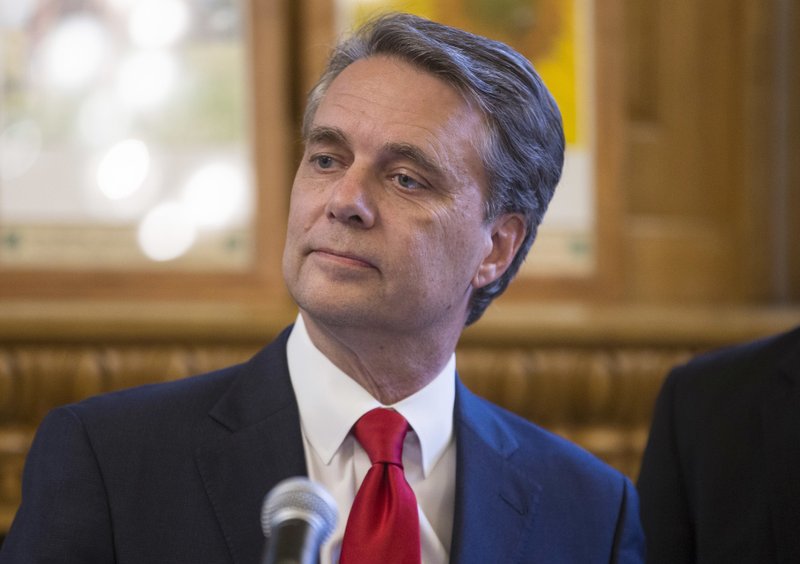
331	402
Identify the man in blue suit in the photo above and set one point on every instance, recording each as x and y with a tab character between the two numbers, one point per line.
430	157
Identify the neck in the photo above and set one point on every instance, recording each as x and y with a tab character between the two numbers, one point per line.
390	366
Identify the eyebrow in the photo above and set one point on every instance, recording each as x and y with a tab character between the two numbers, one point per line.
415	155
322	134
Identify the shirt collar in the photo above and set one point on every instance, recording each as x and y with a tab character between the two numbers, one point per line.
317	382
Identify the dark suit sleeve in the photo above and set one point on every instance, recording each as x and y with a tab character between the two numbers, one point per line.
64	515
662	490
628	539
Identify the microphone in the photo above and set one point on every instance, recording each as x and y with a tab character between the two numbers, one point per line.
296	517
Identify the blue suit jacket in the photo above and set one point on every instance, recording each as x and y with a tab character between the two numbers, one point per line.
177	472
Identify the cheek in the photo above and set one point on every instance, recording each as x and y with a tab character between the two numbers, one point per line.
297	224
469	243
453	246
295	215
301	210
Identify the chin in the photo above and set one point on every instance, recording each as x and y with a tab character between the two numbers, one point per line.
328	303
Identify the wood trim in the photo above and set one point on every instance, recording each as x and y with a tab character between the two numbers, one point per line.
272	133
506	324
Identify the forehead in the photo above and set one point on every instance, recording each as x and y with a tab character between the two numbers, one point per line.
380	100
382	73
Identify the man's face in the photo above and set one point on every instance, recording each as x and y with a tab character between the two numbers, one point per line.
386	224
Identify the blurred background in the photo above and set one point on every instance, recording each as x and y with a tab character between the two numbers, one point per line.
147	149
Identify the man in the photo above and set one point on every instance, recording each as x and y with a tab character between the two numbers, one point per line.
431	155
719	479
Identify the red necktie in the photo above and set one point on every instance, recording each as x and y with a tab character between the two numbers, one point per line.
383	526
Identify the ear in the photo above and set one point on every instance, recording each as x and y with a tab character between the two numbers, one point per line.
508	232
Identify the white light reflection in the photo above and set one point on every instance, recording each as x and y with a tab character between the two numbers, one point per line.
146	79
74	52
216	194
166	232
158	23
123	169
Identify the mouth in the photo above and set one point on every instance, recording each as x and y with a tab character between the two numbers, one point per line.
342	257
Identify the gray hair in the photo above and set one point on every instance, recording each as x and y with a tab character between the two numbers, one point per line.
524	151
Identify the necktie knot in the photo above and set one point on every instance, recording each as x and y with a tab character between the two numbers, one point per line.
381	433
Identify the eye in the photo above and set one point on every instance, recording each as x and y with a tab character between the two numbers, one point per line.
323	162
408	182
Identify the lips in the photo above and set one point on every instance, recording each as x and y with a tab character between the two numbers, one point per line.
343	257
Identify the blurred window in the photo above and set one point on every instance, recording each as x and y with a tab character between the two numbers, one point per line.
124	140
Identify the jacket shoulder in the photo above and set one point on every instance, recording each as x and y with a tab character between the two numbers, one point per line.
547	454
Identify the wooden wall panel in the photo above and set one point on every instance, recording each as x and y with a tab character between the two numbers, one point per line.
711	105
709	178
771	213
682	260
791	66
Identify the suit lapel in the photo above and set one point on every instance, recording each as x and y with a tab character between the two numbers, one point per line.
781	417
495	502
260	443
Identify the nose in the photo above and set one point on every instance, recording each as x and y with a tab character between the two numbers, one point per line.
350	201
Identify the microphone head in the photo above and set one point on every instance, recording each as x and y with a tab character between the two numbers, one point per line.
299	498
